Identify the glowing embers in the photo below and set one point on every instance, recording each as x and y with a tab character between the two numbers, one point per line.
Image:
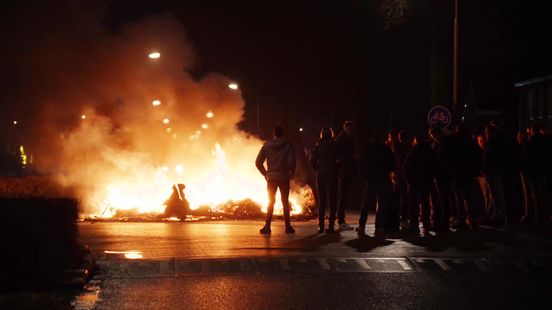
126	254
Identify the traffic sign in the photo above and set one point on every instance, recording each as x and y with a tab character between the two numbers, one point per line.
439	117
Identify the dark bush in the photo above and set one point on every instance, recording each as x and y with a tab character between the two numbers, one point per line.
39	236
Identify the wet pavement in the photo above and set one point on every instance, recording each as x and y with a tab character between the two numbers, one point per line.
229	265
220	239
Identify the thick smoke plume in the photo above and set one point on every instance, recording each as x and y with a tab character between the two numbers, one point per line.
86	96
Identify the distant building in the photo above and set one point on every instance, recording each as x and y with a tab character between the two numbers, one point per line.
535	101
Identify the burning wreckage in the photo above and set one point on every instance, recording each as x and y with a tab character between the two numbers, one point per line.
177	209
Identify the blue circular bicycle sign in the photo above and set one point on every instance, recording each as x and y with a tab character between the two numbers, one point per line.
439	116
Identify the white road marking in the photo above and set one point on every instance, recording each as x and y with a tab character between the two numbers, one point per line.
362	263
404	264
324	264
441	264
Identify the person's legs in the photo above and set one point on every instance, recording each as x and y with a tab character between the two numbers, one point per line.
424	202
284	193
271	187
413	209
403	202
322	202
345	184
332	197
368	201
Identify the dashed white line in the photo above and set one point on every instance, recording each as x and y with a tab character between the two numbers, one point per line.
404	264
324	264
362	263
441	264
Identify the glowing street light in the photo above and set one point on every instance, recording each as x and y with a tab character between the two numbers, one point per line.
83	117
233	86
210	114
205	126
156	102
179	169
166	121
154	55
15	122
301	129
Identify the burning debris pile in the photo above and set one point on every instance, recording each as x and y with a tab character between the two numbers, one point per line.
177	210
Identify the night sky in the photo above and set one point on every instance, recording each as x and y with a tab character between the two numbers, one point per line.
317	63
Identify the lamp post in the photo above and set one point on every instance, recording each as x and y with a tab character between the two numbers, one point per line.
455	61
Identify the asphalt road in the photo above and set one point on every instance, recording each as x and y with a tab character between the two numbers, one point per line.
336	291
242	239
229	265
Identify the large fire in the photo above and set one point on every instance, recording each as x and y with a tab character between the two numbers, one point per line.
221	184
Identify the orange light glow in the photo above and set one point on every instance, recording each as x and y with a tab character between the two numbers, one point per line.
127	254
156	102
210	114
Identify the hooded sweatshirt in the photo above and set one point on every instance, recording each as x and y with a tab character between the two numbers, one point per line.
280	159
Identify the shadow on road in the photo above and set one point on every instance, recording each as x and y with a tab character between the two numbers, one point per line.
313	243
367	243
468	241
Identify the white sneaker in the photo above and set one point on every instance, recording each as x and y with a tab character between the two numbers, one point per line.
345	226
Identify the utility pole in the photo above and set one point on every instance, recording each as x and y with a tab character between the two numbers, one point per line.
455	61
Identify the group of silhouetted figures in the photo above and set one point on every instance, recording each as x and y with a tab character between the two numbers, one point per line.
443	178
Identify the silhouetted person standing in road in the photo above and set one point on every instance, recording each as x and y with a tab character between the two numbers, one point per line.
441	192
400	148
463	157
376	165
500	164
346	160
324	160
536	170
280	160
419	170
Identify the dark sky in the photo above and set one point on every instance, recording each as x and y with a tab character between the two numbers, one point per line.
317	63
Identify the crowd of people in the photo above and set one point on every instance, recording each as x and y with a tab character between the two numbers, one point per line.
446	178
443	178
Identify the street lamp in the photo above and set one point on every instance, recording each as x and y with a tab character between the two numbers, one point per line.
166	120
156	102
154	55
233	86
210	114
14	122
